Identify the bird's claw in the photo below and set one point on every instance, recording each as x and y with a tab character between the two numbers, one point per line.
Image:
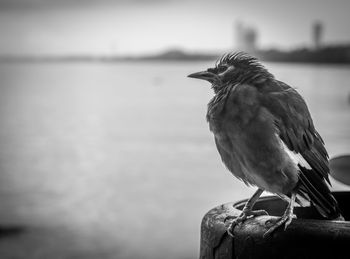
235	222
285	219
289	220
241	218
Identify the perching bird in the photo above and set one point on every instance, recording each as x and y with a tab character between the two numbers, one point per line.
266	138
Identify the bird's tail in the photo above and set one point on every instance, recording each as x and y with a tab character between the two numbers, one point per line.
314	188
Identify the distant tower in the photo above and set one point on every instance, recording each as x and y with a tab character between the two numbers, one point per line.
317	33
250	38
246	38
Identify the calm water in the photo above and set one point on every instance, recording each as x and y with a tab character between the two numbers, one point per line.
116	160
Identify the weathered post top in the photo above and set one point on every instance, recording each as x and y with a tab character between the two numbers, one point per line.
306	237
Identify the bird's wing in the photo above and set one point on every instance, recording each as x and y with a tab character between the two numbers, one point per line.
295	126
296	130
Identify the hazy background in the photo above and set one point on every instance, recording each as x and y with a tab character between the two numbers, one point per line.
115	159
139	26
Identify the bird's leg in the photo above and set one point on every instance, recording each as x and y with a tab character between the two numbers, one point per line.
286	219
246	212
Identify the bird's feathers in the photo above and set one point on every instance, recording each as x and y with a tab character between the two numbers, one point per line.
316	190
295	127
296	130
240	59
297	158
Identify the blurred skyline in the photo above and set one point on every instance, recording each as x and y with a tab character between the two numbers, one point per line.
148	26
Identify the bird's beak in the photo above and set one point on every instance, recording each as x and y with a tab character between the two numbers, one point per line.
205	75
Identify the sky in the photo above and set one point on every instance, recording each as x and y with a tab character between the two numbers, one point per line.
132	27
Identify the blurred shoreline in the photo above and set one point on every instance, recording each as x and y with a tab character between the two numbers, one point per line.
336	54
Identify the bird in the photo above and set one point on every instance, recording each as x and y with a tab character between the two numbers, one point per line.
266	138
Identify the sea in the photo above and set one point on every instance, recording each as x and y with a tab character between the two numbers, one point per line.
115	160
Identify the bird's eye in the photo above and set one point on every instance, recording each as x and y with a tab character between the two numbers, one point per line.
221	69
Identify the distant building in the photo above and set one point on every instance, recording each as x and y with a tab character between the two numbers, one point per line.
245	38
317	34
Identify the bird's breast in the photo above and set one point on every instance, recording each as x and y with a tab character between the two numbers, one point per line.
250	149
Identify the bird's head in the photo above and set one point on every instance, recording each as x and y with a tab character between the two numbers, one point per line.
233	68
